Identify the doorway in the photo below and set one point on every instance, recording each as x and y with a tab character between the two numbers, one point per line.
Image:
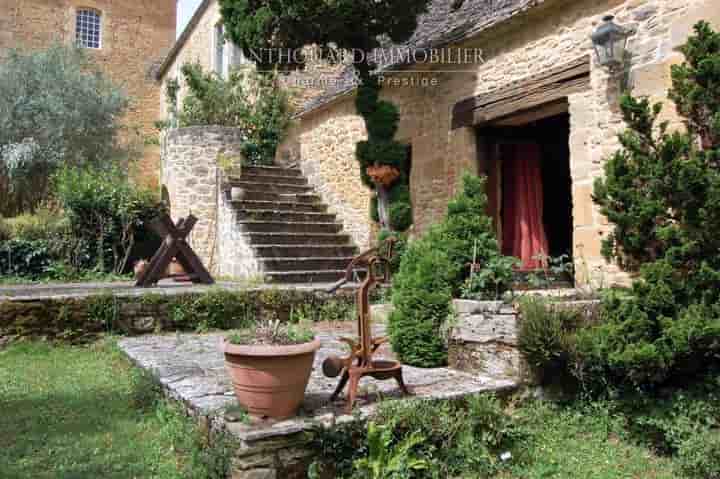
527	164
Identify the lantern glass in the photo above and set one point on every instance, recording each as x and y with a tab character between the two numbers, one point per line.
610	43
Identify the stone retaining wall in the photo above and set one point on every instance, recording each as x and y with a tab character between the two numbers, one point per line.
193	182
485	338
82	318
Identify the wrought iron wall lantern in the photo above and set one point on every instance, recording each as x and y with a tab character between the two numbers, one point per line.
610	42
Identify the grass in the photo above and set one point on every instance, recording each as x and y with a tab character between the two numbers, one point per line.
581	441
83	277
86	412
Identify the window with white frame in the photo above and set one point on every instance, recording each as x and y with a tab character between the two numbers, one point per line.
88	28
219	50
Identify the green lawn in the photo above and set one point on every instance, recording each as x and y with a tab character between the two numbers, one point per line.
85	412
581	442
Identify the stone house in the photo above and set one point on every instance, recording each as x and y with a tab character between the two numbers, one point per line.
127	40
511	89
537	90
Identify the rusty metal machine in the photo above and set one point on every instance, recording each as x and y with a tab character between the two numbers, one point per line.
360	362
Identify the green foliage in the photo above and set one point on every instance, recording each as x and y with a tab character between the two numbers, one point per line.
386	460
107	212
44	224
491	281
699	455
546	335
29	259
661	192
262	29
433	269
337	448
672	419
422	291
56	108
103	309
420	439
253	102
399	247
273	333
215	309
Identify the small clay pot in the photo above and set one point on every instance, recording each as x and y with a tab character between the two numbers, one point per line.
270	381
175	268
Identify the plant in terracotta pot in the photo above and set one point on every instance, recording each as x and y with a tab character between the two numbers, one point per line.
270	366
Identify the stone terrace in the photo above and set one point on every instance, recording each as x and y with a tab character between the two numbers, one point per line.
191	369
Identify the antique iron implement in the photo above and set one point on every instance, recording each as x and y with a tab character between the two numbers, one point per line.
360	362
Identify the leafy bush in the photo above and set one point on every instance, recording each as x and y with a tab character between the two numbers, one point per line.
28	259
699	455
661	192
461	438
433	269
422	291
386	460
492	280
217	309
546	335
253	102
107	212
44	224
56	108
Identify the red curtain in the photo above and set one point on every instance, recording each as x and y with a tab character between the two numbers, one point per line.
523	230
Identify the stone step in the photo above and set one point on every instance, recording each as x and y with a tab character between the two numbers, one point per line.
280	188
302	238
289	227
309	277
309	198
304	264
276	179
271	171
294	206
305	251
284	216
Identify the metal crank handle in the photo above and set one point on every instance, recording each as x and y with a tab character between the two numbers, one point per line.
336	286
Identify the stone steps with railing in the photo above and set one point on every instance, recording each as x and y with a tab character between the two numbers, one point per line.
289	229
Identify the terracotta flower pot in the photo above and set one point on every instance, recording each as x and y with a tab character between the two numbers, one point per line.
383	174
270	381
175	268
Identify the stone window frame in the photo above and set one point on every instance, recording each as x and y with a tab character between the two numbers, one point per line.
91	36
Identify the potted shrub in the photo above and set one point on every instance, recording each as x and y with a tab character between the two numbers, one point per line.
270	366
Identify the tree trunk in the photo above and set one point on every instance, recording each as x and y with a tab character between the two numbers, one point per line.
383	206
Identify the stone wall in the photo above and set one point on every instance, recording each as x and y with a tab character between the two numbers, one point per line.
84	317
193	183
485	339
546	36
136	36
325	144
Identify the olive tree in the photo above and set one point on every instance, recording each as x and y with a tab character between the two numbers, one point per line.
56	108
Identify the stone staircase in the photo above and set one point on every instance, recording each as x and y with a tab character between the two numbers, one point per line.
288	227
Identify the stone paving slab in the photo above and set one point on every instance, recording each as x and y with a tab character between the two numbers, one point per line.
34	292
191	369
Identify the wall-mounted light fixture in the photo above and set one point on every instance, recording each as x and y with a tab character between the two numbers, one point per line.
610	43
